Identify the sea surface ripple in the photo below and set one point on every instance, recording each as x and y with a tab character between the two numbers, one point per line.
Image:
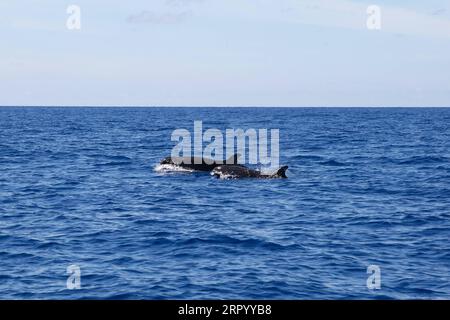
366	187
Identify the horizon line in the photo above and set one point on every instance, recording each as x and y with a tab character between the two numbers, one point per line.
210	106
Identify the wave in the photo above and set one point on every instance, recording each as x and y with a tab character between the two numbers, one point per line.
112	163
109	157
333	163
307	157
424	160
227	240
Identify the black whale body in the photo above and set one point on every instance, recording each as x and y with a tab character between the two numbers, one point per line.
199	164
236	171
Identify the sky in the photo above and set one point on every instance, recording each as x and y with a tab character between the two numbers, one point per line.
303	53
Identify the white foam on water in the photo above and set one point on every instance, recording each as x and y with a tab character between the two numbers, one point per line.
167	168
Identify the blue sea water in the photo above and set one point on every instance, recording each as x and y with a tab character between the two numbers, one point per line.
365	187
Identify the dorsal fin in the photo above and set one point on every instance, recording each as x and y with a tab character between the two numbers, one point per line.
281	172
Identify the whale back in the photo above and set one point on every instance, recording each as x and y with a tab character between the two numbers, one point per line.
239	171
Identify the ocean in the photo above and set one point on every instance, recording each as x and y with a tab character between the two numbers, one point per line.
366	187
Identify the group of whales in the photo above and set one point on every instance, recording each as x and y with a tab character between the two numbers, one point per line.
228	168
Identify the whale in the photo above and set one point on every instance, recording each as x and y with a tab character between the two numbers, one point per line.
234	172
199	164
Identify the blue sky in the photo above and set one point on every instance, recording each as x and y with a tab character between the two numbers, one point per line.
225	53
